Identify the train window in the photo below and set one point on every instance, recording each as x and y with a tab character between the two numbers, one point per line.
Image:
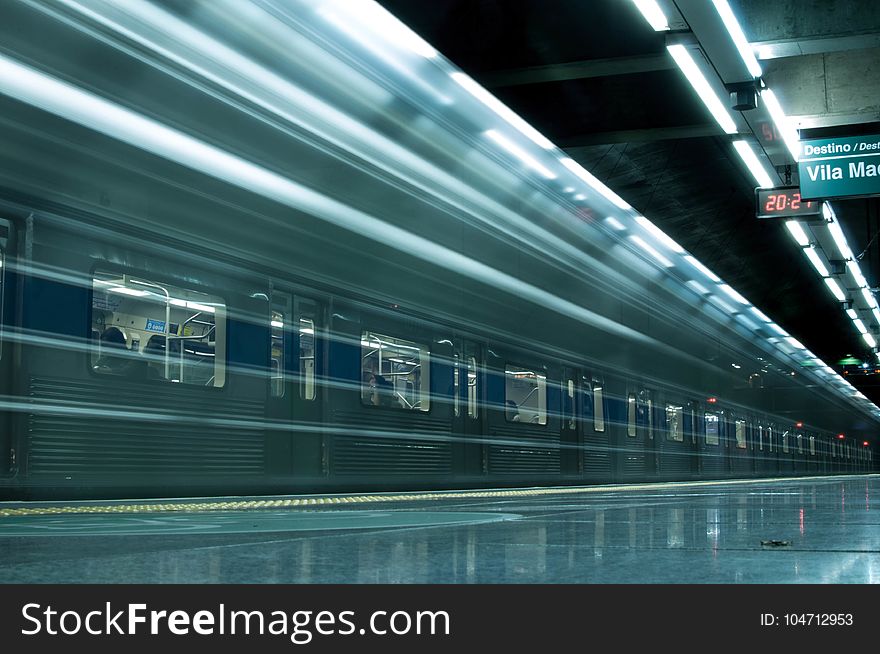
813	445
472	388
525	395
770	439
276	386
800	444
712	422
456	410
598	406
631	415
136	318
646	404
785	442
395	373
674	423
570	404
740	431
307	358
761	437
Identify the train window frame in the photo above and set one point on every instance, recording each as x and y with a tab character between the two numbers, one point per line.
812	446
760	437
646	403
279	326
677	412
140	281
739	428
424	405
785	446
716	419
631	411
598	393
513	370
473	390
770	438
308	388
456	387
800	443
571	393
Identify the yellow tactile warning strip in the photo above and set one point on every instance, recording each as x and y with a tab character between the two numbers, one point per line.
301	502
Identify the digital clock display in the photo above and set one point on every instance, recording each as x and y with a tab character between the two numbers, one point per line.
785	202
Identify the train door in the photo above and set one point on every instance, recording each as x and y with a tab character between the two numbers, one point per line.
295	445
596	429
8	456
712	443
469	414
632	461
571	461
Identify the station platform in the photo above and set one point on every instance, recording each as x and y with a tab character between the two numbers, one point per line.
806	530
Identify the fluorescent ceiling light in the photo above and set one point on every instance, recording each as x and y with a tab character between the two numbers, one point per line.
659	234
594	183
721	304
869	297
852	314
840	239
200	307
876	313
277	323
122	290
306	330
783	123
800	236
699	266
856	272
860	326
647	248
753	163
760	314
653	14
779	330
835	289
698	287
502	110
614	223
816	261
519	153
870	341
732	293
365	14
739	39
748	323
701	85
794	342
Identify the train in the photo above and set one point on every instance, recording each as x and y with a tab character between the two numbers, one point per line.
287	247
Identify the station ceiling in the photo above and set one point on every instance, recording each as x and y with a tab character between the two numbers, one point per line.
596	79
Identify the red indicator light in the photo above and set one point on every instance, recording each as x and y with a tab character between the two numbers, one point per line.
865	443
712	400
840	436
798	424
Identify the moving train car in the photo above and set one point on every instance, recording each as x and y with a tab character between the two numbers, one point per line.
280	247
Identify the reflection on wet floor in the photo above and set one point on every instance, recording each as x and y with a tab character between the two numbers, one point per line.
793	531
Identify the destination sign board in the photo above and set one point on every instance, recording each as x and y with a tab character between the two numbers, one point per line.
840	167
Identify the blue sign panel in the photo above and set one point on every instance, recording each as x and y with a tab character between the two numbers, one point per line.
155	326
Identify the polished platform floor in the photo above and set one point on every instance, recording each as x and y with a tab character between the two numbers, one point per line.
787	531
